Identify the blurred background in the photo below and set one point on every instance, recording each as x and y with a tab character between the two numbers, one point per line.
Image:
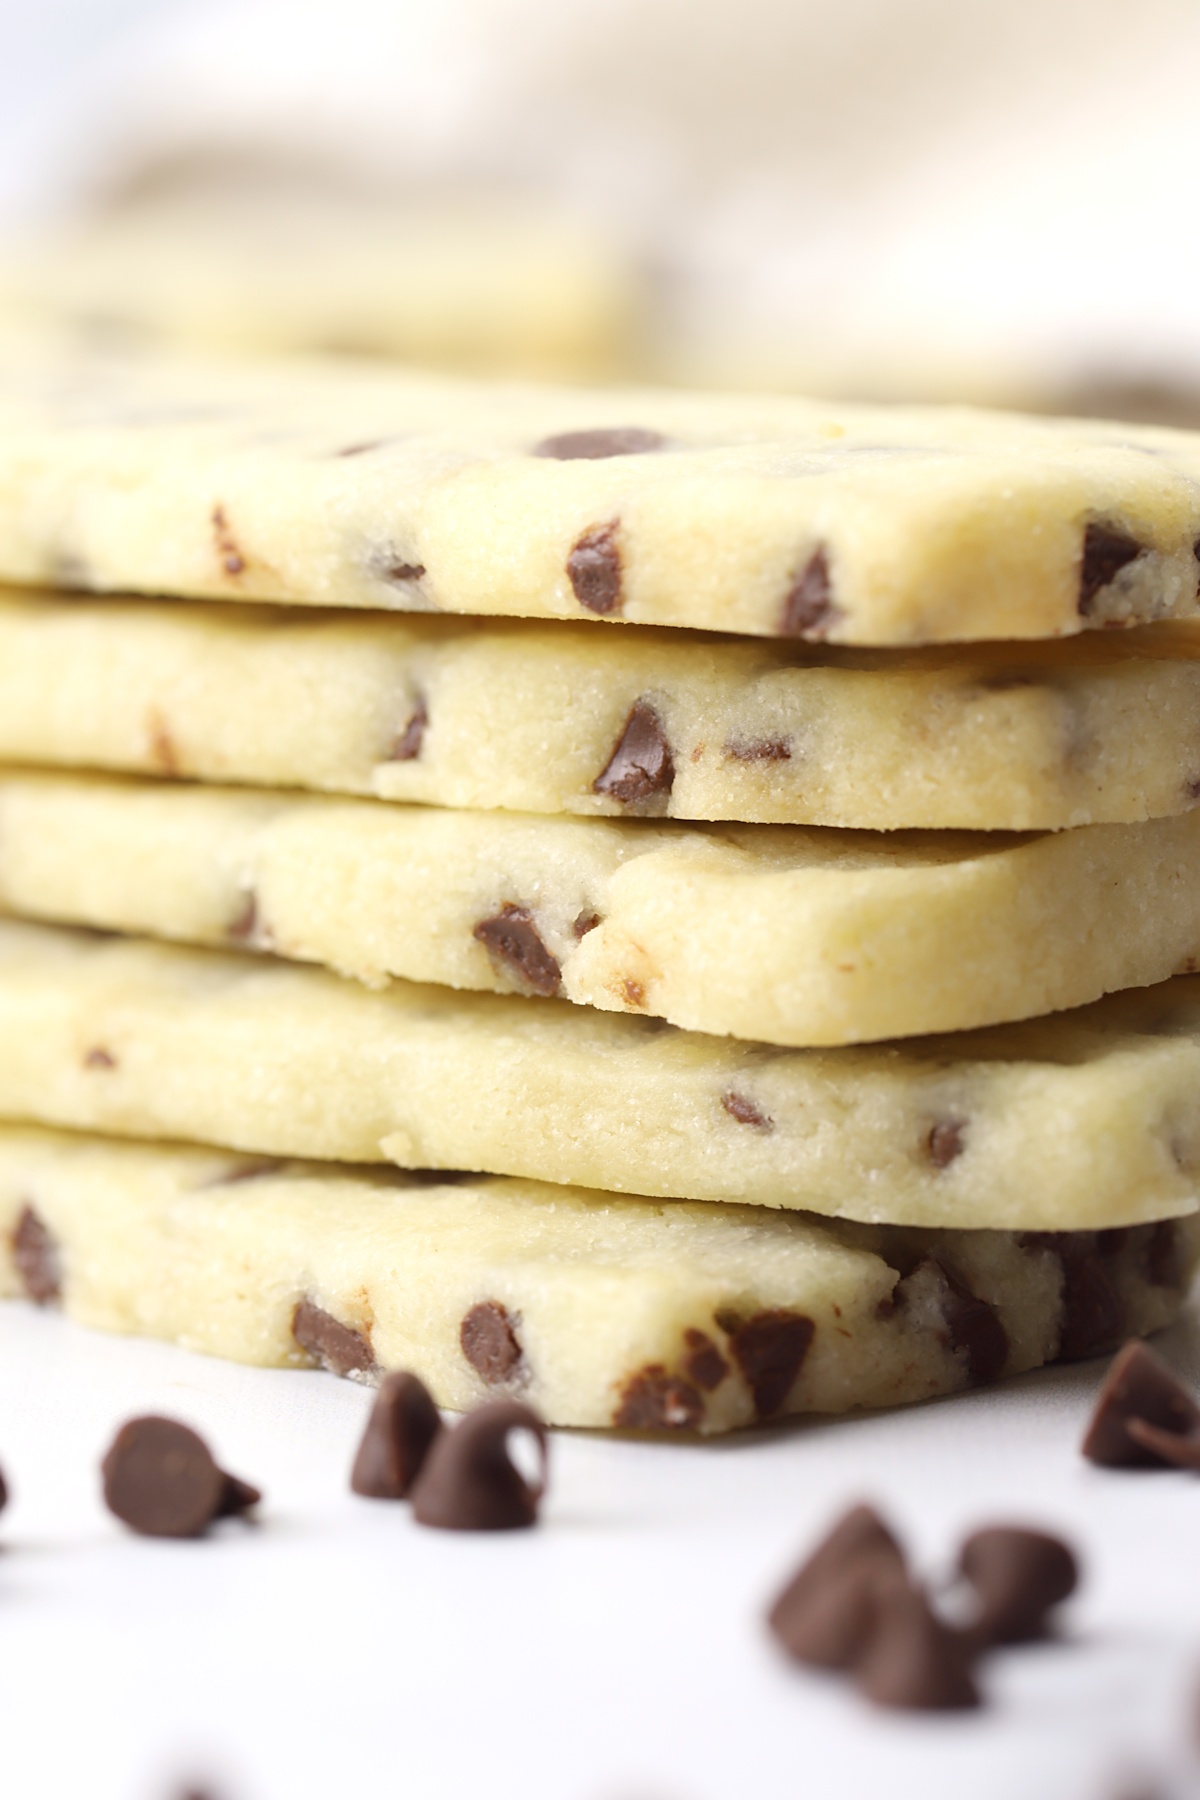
945	199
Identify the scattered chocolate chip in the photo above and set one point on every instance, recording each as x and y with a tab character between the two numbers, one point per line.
1018	1576
407	746
594	570
585	922
860	1535
99	1058
944	1142
835	1627
640	764
36	1254
160	1479
769	1349
335	1346
912	1660
618	440
653	1400
469	1481
511	937
1144	1417
1105	553
745	1112
752	750
399	1433
232	560
702	1361
972	1326
490	1343
808	608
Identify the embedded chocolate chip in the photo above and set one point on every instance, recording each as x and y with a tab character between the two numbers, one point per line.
769	1349
469	1481
944	1142
913	1660
243	928
232	560
640	764
490	1342
1105	553
808	608
744	1111
511	937
1093	1315
973	1329
407	747
99	1058
36	1254
702	1361
584	922
253	1168
594	569
160	1479
1140	1390
860	1535
1163	1258
613	440
335	1346
386	564
399	1434
1018	1576
752	750
652	1400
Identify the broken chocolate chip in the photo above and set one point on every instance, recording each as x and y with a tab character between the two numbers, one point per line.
913	1660
335	1346
640	764
399	1434
594	570
1105	553
99	1058
232	560
511	937
702	1361
490	1342
160	1479
808	608
407	747
744	1111
751	750
612	440
769	1349
584	922
36	1254
973	1329
653	1400
1018	1576
859	1535
1140	1391
469	1481
944	1142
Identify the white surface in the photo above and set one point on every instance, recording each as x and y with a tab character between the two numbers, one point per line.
615	1654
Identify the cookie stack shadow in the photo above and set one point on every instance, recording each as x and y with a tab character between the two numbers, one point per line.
665	908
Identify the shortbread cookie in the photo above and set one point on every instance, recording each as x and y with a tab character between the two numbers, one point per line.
333	486
557	718
786	934
600	1312
1088	1120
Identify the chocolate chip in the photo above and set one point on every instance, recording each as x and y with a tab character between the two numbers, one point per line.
1093	1315
243	928
3	1493
36	1254
632	992
834	1629
702	1361
407	747
808	608
860	1535
972	1327
613	440
653	1400
1105	553
1140	1390
399	1433
511	937
362	449
944	1142
640	764
1018	1576
584	922
594	569
232	560
99	1058
386	564
336	1347
254	1168
769	1349
469	1481
751	750
1163	1259
490	1342
913	1661
160	1479
745	1112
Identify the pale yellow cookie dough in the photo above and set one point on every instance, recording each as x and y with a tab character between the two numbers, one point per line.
1088	1120
328	485
1090	730
599	1312
787	934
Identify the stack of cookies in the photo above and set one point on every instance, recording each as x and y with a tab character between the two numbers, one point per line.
679	817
